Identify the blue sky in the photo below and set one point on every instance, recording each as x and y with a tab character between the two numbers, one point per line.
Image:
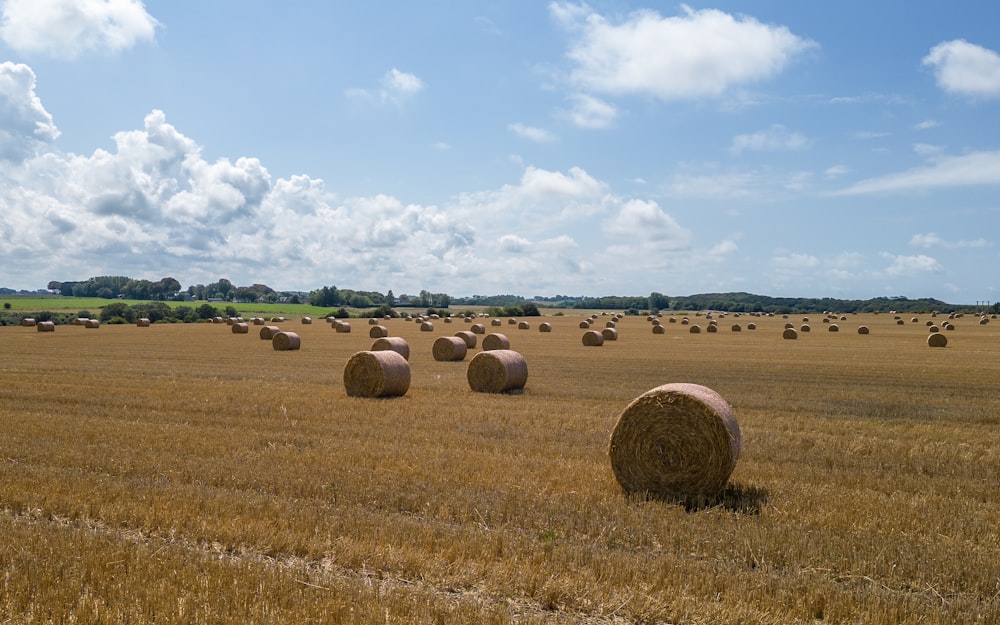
791	149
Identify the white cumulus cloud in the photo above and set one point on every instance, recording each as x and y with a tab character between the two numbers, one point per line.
66	29
699	53
777	137
976	168
531	133
965	68
25	125
910	265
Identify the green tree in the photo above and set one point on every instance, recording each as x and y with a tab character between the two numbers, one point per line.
531	309
117	309
6	305
207	311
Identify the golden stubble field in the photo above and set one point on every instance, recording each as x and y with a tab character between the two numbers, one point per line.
186	474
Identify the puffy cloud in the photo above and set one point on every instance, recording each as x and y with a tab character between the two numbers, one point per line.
966	69
66	29
976	168
646	221
25	125
777	137
911	265
538	135
931	239
590	112
700	53
396	88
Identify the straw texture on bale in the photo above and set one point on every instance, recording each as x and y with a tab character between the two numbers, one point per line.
937	340
789	333
469	338
28	322
373	321
45	326
804	328
342	326
833	328
610	334
545	327
933	329
695	329
92	323
659	330
286	341
523	325
426	326
863	330
240	328
497	371
259	321
751	326
676	441
306	320
382	373
496	322
267	332
495	341
584	325
393	343
712	327
478	328
377	332
593	338
142	322
736	328
449	349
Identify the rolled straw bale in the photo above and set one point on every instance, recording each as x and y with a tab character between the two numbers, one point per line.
511	321
373	321
610	334
377	332
863	330
92	323
584	325
736	328
469	338
833	328
712	327
447	319
426	326
285	341
789	333
933	329
478	328
751	326
789	325
949	326
983	321
685	321
449	349
695	329
45	326
267	332
343	327
914	320
672	320
259	321
929	323
395	343
610	324
383	373
659	330
937	339
676	441
593	338
467	319
230	321
142	322
495	341
900	322
307	321
28	322
545	326
80	321
826	320
497	371
240	328
656	322
523	325
496	322
805	328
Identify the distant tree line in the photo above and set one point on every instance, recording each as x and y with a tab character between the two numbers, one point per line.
110	287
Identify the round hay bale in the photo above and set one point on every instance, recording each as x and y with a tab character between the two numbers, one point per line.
949	326
983	321
736	328
307	321
789	333
383	373
495	341
511	321
523	325
933	328
672	320
695	329
863	330
610	324
447	319
659	330
28	322
285	341
751	326
610	334
900	322
833	328
656	322
230	321
545	326
593	338
426	326
685	321
258	321
393	343
478	328
142	322
937	339
469	338
267	332
342	327
805	328
92	323
449	349
928	323
240	328
497	371
45	326
496	322
789	325
373	321
676	441
584	325
378	331
712	327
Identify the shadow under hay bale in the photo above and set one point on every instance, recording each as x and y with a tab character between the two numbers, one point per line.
377	374
394	343
497	371
678	442
735	498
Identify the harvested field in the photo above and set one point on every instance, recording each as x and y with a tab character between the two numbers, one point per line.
224	482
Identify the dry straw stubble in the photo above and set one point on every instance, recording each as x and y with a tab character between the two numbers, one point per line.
676	441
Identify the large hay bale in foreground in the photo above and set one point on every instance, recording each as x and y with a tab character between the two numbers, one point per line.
937	340
382	373
267	332
676	441
393	343
495	341
45	326
449	349
497	371
469	338
240	328
285	341
378	331
593	338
